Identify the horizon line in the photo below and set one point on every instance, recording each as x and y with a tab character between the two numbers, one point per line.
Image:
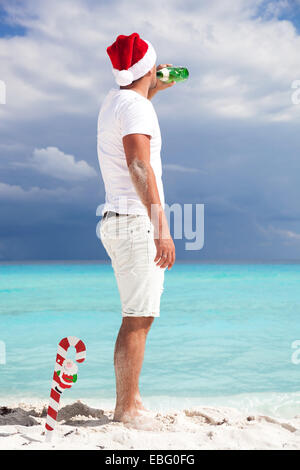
179	261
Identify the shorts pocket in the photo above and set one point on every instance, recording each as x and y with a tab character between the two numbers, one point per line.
142	246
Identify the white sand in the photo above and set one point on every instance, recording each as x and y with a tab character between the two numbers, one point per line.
82	427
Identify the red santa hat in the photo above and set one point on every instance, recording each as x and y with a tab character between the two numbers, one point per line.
131	58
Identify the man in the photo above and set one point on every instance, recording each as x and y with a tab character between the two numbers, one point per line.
134	229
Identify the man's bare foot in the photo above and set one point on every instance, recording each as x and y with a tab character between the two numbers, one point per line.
127	415
139	404
139	419
136	410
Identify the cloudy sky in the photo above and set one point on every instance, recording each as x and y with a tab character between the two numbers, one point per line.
230	133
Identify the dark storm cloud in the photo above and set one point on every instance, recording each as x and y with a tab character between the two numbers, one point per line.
230	134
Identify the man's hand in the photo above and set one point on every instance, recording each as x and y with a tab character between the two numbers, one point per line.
165	252
159	84
162	85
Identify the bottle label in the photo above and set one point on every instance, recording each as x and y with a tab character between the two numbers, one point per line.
166	74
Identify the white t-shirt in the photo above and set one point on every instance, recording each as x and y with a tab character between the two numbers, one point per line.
126	112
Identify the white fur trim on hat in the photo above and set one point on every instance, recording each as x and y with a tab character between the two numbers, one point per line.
123	77
138	70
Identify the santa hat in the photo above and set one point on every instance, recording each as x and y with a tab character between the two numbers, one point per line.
131	58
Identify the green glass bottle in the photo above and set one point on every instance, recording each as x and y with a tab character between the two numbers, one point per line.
172	74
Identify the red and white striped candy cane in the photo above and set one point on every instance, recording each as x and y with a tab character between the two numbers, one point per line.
63	377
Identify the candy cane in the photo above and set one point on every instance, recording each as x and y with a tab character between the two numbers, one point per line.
65	374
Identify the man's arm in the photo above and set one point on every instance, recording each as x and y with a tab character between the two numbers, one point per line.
137	151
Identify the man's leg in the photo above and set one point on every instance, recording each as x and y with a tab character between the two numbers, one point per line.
128	361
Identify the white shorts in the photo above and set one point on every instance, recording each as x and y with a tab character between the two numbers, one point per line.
129	242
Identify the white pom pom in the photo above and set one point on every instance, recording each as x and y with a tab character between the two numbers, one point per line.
124	77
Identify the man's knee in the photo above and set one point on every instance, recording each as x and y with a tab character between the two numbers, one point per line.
138	323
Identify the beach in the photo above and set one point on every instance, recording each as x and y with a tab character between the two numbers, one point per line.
207	428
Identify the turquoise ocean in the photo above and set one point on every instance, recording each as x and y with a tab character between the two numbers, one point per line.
225	335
